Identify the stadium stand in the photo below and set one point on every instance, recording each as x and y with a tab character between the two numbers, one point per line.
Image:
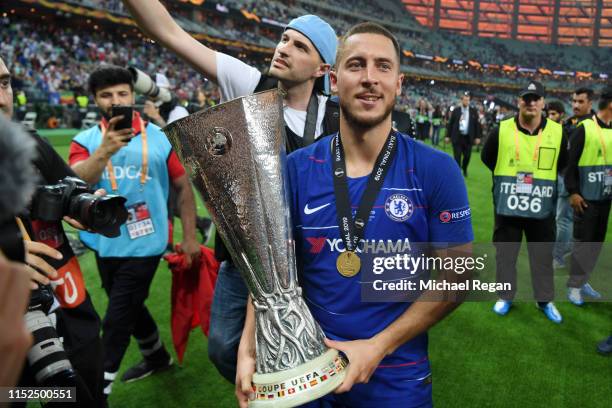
489	67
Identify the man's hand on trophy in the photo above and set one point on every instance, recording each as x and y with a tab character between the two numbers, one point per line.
244	377
364	357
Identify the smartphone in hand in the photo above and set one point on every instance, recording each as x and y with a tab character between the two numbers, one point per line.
126	112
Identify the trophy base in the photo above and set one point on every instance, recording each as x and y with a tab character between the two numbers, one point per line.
301	384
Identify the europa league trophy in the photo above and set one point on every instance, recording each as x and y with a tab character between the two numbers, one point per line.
235	153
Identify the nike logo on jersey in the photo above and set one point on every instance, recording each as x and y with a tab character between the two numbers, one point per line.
309	211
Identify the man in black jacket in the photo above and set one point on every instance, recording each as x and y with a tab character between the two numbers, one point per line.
49	257
464	131
588	180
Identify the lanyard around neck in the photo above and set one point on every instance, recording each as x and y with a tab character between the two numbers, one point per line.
145	161
517	143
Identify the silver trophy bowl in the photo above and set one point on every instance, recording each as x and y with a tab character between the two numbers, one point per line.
235	155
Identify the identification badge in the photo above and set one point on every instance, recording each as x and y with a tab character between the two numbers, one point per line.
348	264
139	223
608	178
524	183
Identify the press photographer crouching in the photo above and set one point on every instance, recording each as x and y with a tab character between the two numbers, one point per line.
60	307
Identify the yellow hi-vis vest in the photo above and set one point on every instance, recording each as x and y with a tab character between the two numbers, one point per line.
82	101
22	99
525	176
595	164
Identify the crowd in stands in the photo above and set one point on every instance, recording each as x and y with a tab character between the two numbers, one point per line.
344	13
48	59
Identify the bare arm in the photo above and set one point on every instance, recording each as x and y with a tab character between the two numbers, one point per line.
90	169
246	358
155	21
431	307
186	203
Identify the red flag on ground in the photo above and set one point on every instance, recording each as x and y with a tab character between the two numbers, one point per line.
192	295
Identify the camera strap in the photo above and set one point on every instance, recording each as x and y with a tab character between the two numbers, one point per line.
145	159
23	230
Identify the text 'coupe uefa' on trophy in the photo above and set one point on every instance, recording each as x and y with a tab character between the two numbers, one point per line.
235	154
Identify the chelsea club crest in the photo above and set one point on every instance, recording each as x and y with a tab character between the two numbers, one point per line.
398	207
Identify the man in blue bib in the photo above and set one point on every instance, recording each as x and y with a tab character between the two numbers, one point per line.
139	164
355	191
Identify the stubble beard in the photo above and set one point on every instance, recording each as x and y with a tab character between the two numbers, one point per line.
364	124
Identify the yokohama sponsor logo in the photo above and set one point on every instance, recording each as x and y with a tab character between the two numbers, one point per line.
372	246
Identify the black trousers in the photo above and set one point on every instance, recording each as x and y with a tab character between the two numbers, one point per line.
590	229
126	282
540	235
462	151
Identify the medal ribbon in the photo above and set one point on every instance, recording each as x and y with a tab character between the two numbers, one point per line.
352	231
145	159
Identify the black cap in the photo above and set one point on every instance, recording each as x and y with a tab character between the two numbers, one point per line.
533	88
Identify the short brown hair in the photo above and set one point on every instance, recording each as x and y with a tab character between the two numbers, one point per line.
367	28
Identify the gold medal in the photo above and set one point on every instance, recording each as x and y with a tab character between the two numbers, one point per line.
348	264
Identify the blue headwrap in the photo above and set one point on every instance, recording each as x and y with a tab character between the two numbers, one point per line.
322	36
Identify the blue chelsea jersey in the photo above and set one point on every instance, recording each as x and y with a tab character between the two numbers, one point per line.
127	166
423	200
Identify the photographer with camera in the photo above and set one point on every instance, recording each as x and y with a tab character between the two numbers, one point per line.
128	156
51	264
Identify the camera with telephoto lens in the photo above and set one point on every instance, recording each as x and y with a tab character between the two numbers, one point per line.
73	197
144	84
47	358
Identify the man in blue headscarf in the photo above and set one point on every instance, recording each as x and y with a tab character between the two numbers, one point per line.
300	66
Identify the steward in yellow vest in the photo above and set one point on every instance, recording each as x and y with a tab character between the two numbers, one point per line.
595	160
524	153
525	174
589	182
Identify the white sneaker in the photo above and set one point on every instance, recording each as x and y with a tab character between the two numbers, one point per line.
502	307
551	312
575	296
587	290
